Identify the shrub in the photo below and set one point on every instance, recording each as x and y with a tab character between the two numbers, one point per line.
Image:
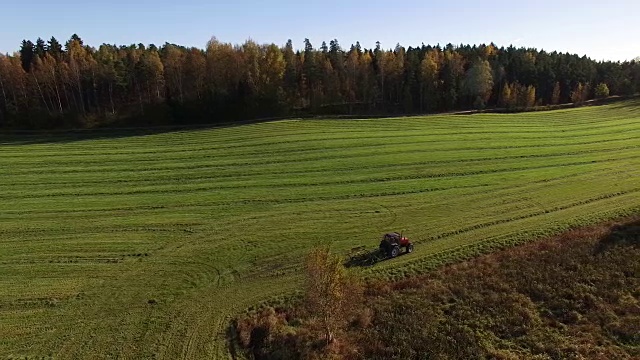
602	91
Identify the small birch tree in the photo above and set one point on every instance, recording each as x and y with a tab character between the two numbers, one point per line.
330	291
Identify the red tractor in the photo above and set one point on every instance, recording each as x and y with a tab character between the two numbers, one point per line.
392	242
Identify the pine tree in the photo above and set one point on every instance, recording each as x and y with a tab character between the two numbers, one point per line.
555	96
324	48
40	48
310	72
27	54
54	48
381	70
291	78
352	68
77	39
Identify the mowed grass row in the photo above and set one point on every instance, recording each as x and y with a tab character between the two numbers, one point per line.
134	245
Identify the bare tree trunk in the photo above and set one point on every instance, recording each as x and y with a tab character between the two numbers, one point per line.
55	84
4	108
73	97
180	87
95	89
149	92
44	100
24	94
140	97
70	98
79	86
382	86
51	102
15	99
113	109
4	94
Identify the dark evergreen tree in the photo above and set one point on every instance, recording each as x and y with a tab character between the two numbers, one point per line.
54	47
310	73
40	48
27	53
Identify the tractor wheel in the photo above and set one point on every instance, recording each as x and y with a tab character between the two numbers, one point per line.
395	251
409	248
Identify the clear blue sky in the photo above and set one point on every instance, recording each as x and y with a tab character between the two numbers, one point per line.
600	29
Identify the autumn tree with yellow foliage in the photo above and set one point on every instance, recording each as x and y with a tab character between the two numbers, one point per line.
330	290
580	93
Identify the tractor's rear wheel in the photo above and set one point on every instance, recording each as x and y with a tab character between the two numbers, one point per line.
395	251
410	248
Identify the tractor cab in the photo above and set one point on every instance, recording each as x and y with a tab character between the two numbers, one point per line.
392	242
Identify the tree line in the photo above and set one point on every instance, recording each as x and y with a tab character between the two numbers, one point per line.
47	84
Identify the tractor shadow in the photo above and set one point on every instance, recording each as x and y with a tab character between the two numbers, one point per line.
360	257
363	257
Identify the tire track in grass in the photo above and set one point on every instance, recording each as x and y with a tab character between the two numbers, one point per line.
147	208
201	173
298	158
442	122
209	165
208	320
424	140
495	242
546	181
203	188
529	215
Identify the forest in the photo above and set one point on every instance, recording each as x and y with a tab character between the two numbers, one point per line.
48	84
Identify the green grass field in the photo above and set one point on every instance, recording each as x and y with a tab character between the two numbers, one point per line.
144	246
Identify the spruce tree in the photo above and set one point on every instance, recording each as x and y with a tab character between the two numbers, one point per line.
27	54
